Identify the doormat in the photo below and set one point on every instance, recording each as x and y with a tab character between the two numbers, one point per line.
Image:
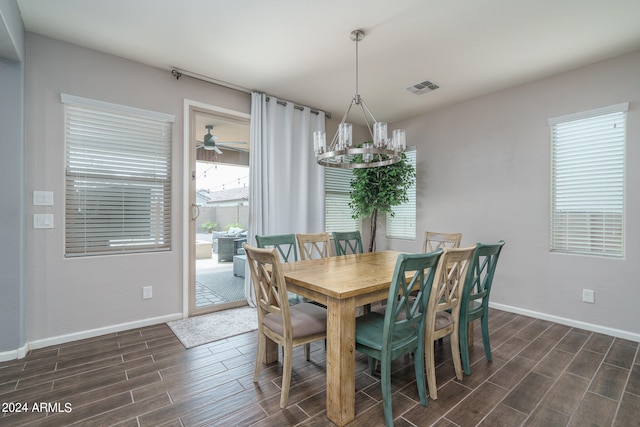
207	328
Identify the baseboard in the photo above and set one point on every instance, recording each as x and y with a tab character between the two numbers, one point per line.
570	322
14	354
61	339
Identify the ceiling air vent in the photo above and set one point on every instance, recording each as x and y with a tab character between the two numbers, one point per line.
424	87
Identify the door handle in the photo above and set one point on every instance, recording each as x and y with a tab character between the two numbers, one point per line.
195	211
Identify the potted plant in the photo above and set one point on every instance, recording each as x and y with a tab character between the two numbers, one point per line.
209	226
377	190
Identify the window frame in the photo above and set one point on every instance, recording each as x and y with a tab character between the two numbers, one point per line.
337	189
399	214
588	150
118	188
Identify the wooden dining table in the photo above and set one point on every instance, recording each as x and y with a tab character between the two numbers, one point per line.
342	283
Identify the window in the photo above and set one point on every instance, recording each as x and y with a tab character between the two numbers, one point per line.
118	178
403	224
337	211
587	194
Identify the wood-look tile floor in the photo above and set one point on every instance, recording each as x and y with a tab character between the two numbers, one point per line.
542	374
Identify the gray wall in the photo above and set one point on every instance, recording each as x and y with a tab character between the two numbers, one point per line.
12	171
484	170
71	298
223	216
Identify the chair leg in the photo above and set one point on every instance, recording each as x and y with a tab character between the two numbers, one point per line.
430	367
307	352
464	345
387	400
286	376
418	363
372	364
484	323
260	356
455	351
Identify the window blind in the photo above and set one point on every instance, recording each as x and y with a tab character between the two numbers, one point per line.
403	224
118	179
588	174
337	211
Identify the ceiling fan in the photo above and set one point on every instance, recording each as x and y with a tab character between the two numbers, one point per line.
209	142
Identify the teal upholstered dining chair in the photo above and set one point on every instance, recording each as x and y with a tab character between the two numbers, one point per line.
284	243
475	299
347	242
400	330
287	248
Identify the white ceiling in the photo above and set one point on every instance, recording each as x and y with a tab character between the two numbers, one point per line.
300	50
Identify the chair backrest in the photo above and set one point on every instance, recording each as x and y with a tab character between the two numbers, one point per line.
481	271
284	243
347	242
448	284
314	245
404	315
434	241
269	285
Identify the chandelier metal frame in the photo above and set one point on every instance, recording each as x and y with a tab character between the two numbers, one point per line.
341	153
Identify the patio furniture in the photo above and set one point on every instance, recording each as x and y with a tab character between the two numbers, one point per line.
239	262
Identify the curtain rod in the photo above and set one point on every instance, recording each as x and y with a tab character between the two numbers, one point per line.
177	73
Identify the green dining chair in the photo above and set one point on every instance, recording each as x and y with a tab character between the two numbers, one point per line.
475	298
347	242
287	248
400	330
284	243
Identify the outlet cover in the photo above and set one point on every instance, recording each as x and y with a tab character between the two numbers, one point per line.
588	295
147	292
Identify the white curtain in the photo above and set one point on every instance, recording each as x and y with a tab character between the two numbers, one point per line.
286	185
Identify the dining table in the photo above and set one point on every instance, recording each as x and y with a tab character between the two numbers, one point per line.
341	283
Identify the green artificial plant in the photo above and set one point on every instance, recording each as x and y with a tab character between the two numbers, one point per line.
377	190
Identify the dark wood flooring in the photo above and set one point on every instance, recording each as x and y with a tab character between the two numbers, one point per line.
542	374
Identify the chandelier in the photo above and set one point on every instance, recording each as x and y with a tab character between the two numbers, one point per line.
341	152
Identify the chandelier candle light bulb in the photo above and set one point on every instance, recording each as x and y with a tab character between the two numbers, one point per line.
342	154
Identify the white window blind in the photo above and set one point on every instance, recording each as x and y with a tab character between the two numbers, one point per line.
588	174
118	178
337	211
403	224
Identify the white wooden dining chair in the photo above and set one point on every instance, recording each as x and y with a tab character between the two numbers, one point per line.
314	245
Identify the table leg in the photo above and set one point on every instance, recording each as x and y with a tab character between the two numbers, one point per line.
341	360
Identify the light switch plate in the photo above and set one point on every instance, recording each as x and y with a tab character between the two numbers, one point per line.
43	198
42	220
